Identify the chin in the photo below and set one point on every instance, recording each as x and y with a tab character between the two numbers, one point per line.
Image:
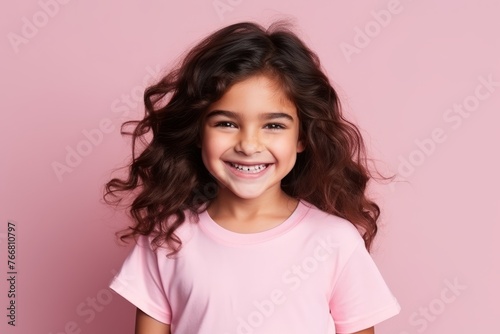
246	194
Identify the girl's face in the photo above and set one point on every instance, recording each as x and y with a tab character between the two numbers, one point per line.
250	138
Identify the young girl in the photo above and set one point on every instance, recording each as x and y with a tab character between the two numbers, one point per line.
250	211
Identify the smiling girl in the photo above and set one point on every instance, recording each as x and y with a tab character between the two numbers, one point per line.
251	214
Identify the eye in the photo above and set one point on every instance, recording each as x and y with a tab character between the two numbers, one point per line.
274	126
225	124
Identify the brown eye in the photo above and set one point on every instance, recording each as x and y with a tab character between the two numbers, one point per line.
225	125
274	126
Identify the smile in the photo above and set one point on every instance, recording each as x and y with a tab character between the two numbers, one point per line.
250	169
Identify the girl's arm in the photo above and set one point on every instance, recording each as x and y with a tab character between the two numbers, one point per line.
144	324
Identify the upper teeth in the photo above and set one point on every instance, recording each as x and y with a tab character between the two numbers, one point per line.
249	168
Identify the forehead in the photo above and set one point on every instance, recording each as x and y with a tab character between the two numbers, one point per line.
256	94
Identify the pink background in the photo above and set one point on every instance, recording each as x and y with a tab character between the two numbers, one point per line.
82	67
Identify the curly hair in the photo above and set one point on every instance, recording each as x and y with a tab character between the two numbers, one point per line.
169	175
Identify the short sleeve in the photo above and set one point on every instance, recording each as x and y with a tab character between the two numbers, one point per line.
360	298
139	282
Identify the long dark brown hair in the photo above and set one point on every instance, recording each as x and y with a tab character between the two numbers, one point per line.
168	177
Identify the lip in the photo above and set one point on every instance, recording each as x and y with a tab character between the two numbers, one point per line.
247	163
247	175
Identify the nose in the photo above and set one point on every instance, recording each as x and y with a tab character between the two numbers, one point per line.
249	142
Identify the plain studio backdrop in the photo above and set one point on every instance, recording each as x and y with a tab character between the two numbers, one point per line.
420	78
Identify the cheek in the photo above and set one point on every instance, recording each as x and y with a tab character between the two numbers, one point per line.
287	143
211	146
207	152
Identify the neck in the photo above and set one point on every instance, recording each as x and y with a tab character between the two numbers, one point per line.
276	203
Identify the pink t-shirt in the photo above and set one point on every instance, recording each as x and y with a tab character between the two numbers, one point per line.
310	274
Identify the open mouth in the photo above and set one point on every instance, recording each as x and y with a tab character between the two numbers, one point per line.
250	169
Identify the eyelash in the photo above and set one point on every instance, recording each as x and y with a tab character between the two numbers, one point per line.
275	126
271	126
224	124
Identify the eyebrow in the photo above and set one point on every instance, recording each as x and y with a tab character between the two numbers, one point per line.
233	115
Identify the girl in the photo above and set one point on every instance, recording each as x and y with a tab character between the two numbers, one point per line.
251	214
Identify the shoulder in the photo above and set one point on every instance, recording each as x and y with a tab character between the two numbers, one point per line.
330	225
184	232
